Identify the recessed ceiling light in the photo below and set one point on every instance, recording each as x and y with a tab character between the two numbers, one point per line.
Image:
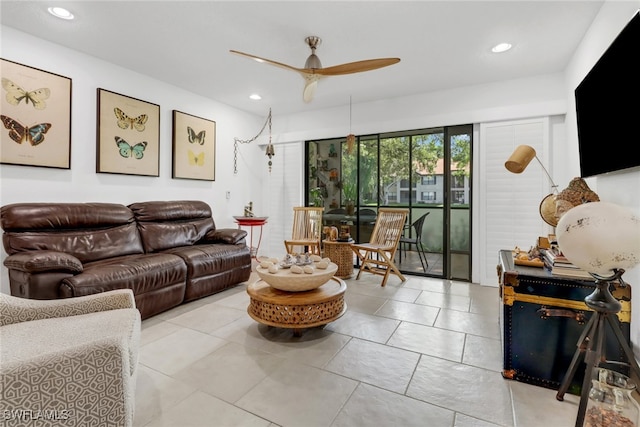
60	12
255	97
501	47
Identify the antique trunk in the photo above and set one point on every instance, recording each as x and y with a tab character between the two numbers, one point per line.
542	317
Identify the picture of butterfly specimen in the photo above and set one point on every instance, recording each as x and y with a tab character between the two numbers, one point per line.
15	95
195	160
19	132
195	139
125	121
126	150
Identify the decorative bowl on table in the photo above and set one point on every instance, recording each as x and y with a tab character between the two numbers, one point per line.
285	279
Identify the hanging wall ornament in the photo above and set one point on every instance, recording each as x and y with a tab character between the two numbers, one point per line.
351	138
270	151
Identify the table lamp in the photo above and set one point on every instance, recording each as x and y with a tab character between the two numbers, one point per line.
517	163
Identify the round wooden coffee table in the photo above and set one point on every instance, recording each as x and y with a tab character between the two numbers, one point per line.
297	310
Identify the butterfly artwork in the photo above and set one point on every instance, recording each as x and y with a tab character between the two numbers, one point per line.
125	121
195	159
20	133
127	150
16	94
195	138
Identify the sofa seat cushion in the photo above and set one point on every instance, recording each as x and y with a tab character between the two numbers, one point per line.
211	259
141	273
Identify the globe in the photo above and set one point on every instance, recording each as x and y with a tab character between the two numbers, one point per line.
600	237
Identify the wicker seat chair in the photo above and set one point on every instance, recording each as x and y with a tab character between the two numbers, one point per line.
306	235
377	256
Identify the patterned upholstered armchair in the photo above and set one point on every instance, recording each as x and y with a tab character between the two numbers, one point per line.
70	361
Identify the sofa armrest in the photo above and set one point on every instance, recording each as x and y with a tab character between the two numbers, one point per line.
16	310
43	261
231	236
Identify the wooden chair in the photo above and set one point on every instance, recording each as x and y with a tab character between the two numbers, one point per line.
307	230
377	256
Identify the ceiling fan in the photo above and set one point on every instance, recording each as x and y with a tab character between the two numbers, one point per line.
313	71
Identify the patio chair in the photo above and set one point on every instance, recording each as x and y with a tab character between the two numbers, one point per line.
417	226
307	231
377	256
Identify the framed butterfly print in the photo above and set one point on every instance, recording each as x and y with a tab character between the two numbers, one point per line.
128	140
35	110
194	147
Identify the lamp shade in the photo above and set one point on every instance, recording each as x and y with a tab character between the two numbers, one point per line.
520	158
600	237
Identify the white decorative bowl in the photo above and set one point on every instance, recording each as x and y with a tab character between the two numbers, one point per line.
285	280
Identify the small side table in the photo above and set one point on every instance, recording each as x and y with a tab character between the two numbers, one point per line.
251	222
342	255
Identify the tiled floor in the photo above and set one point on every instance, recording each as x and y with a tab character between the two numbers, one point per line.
425	353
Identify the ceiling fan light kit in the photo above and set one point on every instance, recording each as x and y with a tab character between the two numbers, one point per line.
313	70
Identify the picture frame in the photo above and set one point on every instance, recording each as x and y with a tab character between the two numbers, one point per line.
128	135
35	110
194	147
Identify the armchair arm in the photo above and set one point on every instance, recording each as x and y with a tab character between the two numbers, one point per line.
16	310
231	236
43	261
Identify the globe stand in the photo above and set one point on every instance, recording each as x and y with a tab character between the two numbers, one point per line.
591	341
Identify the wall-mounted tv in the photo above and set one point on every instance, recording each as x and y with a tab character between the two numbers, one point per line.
608	107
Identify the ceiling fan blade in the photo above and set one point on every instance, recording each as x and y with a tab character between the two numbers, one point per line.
268	61
309	90
311	83
354	67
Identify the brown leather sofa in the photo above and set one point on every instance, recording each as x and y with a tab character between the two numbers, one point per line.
166	252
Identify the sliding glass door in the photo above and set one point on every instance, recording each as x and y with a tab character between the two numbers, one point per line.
426	171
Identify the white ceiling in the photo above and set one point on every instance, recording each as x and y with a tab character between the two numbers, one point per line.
442	44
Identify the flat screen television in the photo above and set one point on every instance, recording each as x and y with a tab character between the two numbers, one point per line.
608	107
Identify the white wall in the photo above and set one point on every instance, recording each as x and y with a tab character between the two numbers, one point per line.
619	187
81	182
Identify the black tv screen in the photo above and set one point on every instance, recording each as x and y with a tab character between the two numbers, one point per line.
608	107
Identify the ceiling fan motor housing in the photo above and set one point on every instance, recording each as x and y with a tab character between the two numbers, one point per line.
313	61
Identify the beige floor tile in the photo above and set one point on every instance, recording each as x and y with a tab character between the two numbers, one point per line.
372	328
476	392
422	314
483	353
428	340
154	330
444	300
315	347
371	406
299	395
406	294
176	351
470	323
376	364
209	317
200	410
363	303
230	372
156	393
537	406
463	420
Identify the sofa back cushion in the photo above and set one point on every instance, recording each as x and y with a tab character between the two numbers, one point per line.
88	231
169	224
